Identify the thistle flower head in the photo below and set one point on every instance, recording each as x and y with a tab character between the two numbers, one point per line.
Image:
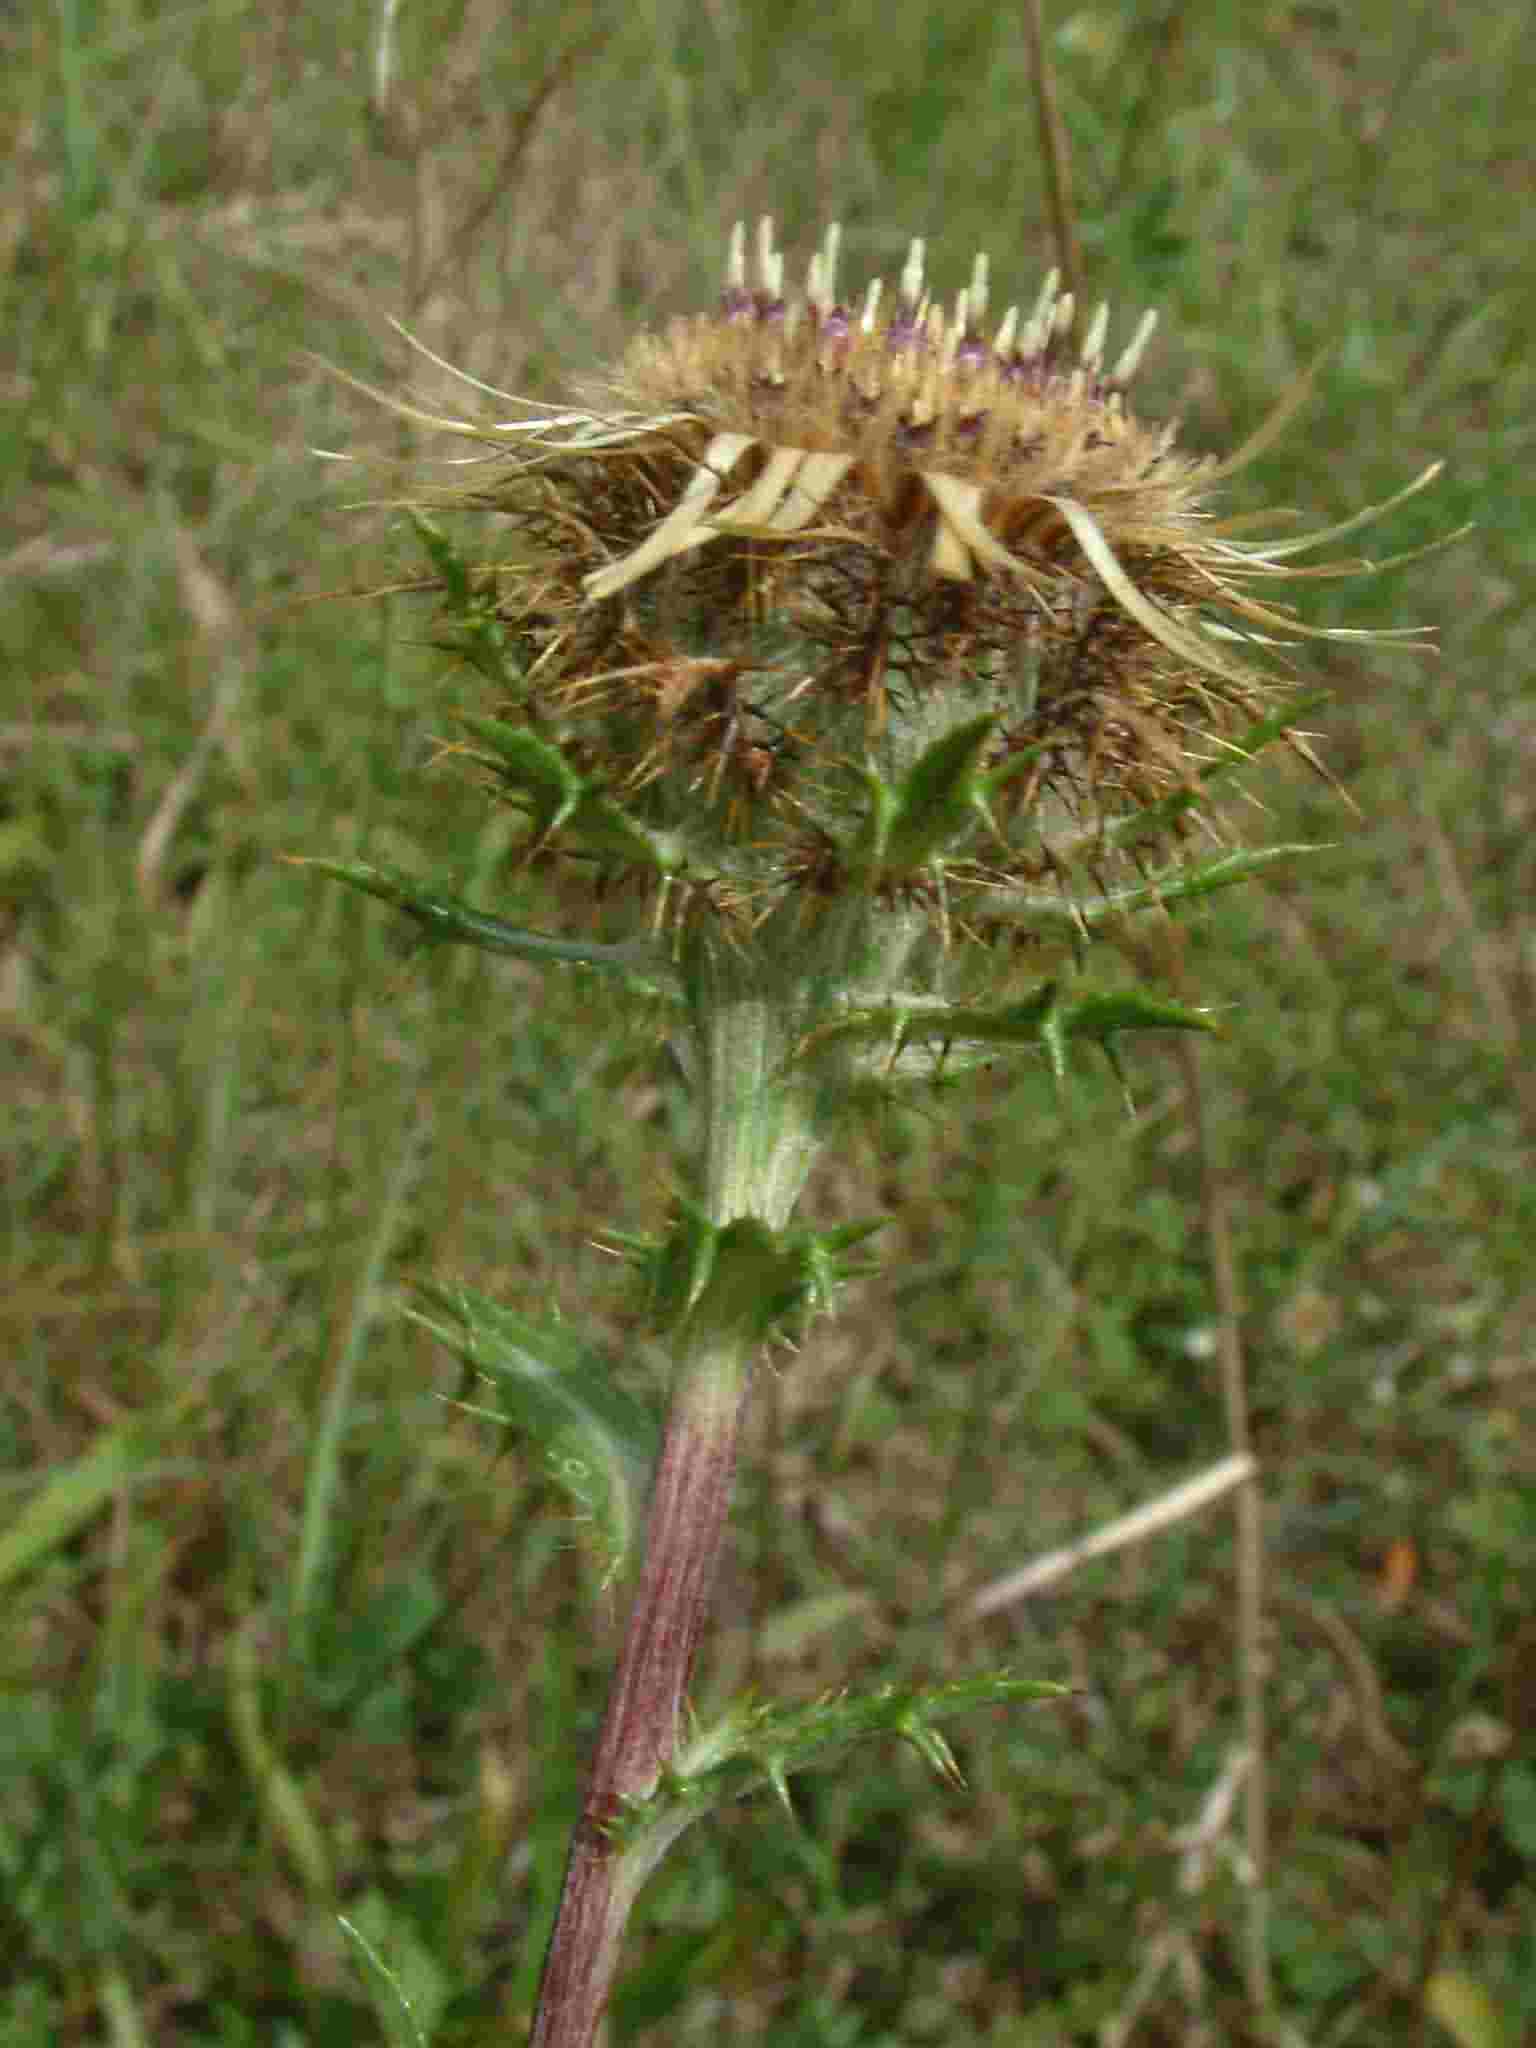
801	538
899	420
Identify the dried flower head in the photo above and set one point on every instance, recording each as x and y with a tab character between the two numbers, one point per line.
800	539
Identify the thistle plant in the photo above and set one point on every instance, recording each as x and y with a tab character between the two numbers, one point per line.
874	667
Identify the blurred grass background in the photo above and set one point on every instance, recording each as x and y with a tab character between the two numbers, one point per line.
280	1632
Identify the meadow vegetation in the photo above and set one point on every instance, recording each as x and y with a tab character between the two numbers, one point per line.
284	1632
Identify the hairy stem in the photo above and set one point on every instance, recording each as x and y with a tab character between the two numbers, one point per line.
758	1146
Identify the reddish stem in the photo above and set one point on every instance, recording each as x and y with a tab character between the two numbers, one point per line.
685	1526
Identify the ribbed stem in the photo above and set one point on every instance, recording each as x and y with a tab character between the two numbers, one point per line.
685	1527
758	1148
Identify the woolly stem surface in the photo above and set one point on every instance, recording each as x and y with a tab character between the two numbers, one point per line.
758	1146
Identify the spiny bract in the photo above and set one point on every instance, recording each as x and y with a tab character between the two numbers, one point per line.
798	540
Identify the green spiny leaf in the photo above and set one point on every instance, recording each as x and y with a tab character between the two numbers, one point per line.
562	799
868	851
445	920
476	632
1077	916
1049	1019
1102	1018
744	1275
676	1268
754	1747
451	566
531	765
939	799
599	1442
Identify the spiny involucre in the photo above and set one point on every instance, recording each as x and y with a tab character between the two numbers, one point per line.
800	541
